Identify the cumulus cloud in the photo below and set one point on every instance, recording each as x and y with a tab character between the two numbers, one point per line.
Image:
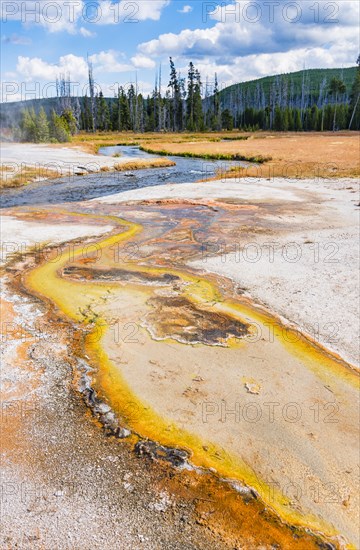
233	38
149	9
35	68
86	33
16	40
32	68
71	15
143	62
256	66
239	41
242	44
61	15
185	9
107	62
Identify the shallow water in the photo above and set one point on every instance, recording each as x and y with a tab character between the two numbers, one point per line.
190	342
80	188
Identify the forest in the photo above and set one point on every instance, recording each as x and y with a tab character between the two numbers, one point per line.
305	101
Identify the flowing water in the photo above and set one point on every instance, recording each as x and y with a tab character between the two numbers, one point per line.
80	188
196	344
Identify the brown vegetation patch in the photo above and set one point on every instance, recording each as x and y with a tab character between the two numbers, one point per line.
293	155
141	164
91	143
207	203
134	277
179	319
27	174
245	523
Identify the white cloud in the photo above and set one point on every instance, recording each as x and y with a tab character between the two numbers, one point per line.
67	15
10	74
186	9
16	40
149	9
237	34
142	62
35	68
125	11
256	66
107	62
32	69
231	39
61	15
179	44
239	49
86	33
35	76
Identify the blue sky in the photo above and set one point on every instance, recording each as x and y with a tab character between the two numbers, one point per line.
128	39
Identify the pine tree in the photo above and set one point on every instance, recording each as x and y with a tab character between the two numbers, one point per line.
278	119
86	115
59	130
124	111
176	108
132	108
103	114
354	123
216	106
190	124
93	123
314	118
150	119
285	120
337	87
290	117
114	117
182	84
198	113
227	120
70	121
42	127
28	125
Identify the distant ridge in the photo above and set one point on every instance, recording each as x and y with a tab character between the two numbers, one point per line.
316	77
246	105
257	93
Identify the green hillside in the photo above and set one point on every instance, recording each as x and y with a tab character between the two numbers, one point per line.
314	76
303	100
287	89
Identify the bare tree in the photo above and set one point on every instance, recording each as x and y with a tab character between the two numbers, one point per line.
92	94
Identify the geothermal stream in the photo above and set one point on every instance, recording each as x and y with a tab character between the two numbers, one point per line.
78	188
210	374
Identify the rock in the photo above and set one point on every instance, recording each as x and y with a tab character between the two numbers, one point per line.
121	433
150	449
252	388
128	487
103	408
161	505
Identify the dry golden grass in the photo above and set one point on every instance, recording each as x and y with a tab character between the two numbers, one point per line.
91	143
300	155
10	178
291	154
139	164
28	174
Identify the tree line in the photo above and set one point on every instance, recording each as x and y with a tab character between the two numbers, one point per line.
188	105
